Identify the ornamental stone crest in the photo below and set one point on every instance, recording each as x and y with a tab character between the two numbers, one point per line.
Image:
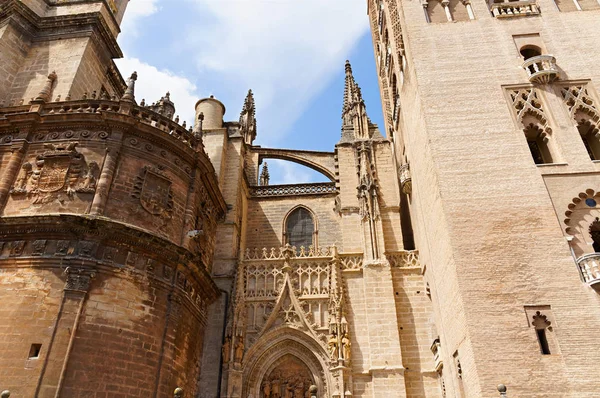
60	168
153	189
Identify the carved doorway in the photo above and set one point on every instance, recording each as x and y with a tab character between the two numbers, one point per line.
288	377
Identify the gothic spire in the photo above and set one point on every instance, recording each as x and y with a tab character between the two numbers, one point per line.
352	93
356	124
248	118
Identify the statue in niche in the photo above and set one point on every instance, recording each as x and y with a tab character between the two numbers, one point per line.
332	346
239	350
22	179
90	178
346	345
226	349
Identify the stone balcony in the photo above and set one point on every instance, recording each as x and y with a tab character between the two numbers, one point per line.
515	9
589	265
541	69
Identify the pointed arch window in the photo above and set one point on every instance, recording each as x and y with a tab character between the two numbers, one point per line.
300	228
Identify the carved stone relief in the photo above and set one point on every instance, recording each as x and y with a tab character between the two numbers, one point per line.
153	189
59	169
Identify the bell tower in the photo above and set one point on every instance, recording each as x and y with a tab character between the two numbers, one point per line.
71	43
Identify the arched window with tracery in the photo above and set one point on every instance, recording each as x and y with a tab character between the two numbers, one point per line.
300	228
585	113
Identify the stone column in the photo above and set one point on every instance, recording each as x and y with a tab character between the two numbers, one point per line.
61	343
446	5
11	172
105	181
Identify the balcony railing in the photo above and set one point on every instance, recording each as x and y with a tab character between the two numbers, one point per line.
541	69
515	9
589	265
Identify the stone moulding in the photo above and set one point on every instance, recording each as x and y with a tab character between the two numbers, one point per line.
100	245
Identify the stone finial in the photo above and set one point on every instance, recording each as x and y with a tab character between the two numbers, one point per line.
178	393
502	390
352	93
5	394
264	175
130	91
248	118
46	93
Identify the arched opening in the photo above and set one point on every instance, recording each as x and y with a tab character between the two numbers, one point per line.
589	135
537	140
300	228
595	234
530	51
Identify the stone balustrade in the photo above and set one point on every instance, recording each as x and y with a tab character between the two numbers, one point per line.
515	9
295	189
289	251
541	69
589	265
403	258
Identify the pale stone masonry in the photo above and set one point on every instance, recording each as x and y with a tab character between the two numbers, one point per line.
455	249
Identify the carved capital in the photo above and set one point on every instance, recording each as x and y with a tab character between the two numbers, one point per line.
78	279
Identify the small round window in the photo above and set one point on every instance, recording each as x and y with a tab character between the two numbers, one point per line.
590	202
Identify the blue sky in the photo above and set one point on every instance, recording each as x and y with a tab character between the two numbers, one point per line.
291	53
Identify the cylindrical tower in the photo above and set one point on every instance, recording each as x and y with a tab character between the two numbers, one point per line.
103	289
212	110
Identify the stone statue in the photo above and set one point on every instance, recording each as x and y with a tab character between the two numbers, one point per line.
91	177
276	387
332	345
346	345
266	389
299	389
239	350
226	349
21	183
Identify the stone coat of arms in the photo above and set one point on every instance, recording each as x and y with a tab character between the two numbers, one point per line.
153	189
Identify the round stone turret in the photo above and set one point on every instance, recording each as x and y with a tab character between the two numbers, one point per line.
213	111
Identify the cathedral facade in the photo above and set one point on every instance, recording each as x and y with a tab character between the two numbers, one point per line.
453	252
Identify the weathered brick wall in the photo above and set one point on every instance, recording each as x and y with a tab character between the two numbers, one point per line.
138	327
14	45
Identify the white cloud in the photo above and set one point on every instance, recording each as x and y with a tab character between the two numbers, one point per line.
285	50
152	84
137	10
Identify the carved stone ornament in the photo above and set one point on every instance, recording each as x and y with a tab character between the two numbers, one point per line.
60	168
78	279
153	189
